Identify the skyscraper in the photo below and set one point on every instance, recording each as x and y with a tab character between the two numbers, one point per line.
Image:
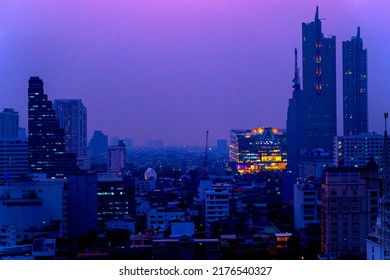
72	115
311	120
319	84
45	137
296	122
355	112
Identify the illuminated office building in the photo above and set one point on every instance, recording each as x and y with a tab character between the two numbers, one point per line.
260	149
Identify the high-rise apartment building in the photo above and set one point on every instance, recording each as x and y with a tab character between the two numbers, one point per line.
350	207
46	146
357	150
355	111
116	157
72	115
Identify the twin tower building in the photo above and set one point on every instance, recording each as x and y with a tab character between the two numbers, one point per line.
311	119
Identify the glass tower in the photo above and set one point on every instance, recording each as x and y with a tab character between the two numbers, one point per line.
355	112
319	84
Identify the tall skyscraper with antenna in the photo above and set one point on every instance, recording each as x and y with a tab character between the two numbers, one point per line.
319	84
296	121
311	120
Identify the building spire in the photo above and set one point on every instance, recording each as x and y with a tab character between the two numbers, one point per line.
385	205
316	17
358	32
296	80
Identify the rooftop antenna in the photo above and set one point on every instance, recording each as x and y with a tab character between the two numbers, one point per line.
205	155
385	205
296	80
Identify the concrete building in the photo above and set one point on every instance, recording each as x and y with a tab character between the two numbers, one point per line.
349	210
32	208
116	157
216	205
307	201
161	217
356	150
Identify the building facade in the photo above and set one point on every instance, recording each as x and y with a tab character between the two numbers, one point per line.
13	159
260	149
319	84
357	150
116	157
116	198
307	201
355	108
46	146
350	207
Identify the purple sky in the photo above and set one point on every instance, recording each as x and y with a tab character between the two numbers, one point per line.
171	70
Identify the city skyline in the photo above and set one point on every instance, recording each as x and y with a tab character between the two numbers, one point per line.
166	70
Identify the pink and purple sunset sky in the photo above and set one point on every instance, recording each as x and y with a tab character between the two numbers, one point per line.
170	70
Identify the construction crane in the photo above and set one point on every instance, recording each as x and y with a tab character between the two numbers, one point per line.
205	155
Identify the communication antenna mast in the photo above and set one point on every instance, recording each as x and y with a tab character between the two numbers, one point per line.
205	155
385	207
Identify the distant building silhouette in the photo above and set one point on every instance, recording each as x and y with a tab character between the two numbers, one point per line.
156	144
46	146
13	148
72	115
355	108
97	147
222	146
116	157
9	123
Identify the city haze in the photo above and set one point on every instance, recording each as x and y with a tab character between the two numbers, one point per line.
171	70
